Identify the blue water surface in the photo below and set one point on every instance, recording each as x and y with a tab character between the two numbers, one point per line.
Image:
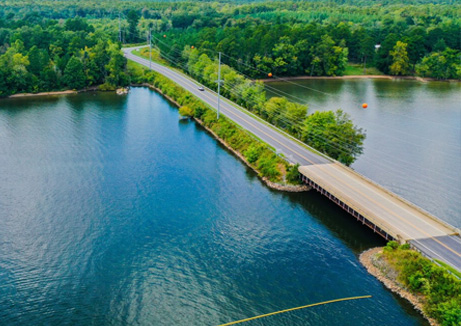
113	211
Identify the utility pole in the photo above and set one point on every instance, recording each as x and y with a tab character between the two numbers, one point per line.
219	84
150	48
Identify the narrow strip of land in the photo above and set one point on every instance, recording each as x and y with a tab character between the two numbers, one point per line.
399	218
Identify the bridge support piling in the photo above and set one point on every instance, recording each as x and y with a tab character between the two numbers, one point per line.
347	208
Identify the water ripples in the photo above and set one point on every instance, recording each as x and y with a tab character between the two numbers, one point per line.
114	213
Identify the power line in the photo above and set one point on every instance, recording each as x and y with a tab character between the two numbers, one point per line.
240	61
345	148
302	101
338	146
335	135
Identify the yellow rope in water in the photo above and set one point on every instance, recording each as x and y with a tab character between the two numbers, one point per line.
297	308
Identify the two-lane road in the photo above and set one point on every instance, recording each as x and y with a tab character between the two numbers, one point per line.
397	217
283	143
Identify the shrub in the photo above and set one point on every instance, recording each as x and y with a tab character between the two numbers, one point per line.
441	289
186	111
256	152
392	245
253	152
293	174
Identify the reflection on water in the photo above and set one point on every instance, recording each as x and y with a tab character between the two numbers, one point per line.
413	144
113	212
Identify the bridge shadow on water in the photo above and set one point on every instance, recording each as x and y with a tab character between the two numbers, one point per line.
345	227
352	233
342	225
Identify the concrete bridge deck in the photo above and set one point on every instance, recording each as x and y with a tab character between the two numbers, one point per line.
386	213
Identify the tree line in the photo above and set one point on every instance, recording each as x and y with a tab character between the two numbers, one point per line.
332	133
262	46
286	38
52	55
257	153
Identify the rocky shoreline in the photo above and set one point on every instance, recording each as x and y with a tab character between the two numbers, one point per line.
270	184
379	268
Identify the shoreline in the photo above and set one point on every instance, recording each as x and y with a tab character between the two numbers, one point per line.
379	268
65	92
270	184
43	94
388	77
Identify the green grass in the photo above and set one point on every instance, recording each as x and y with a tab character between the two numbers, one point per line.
354	69
130	45
144	53
448	267
157	59
440	288
259	154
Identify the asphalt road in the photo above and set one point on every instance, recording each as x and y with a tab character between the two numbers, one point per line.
281	142
428	245
397	217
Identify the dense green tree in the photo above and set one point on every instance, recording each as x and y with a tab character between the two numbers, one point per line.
133	19
5	88
440	45
334	134
329	59
100	57
400	61
116	66
49	78
285	114
35	60
441	65
366	49
74	75
280	37
286	55
382	59
14	65
78	24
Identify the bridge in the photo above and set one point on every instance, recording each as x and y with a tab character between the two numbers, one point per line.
384	212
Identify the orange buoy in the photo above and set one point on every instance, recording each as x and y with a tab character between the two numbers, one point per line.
164	35
269	74
364	105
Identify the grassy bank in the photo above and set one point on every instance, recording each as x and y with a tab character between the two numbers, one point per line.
432	286
260	156
319	130
353	69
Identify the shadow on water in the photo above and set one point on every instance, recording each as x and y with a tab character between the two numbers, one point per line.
105	100
351	232
18	104
342	225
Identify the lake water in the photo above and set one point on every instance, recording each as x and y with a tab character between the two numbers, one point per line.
413	144
113	211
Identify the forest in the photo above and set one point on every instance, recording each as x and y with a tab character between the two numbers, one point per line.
50	45
48	55
285	38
